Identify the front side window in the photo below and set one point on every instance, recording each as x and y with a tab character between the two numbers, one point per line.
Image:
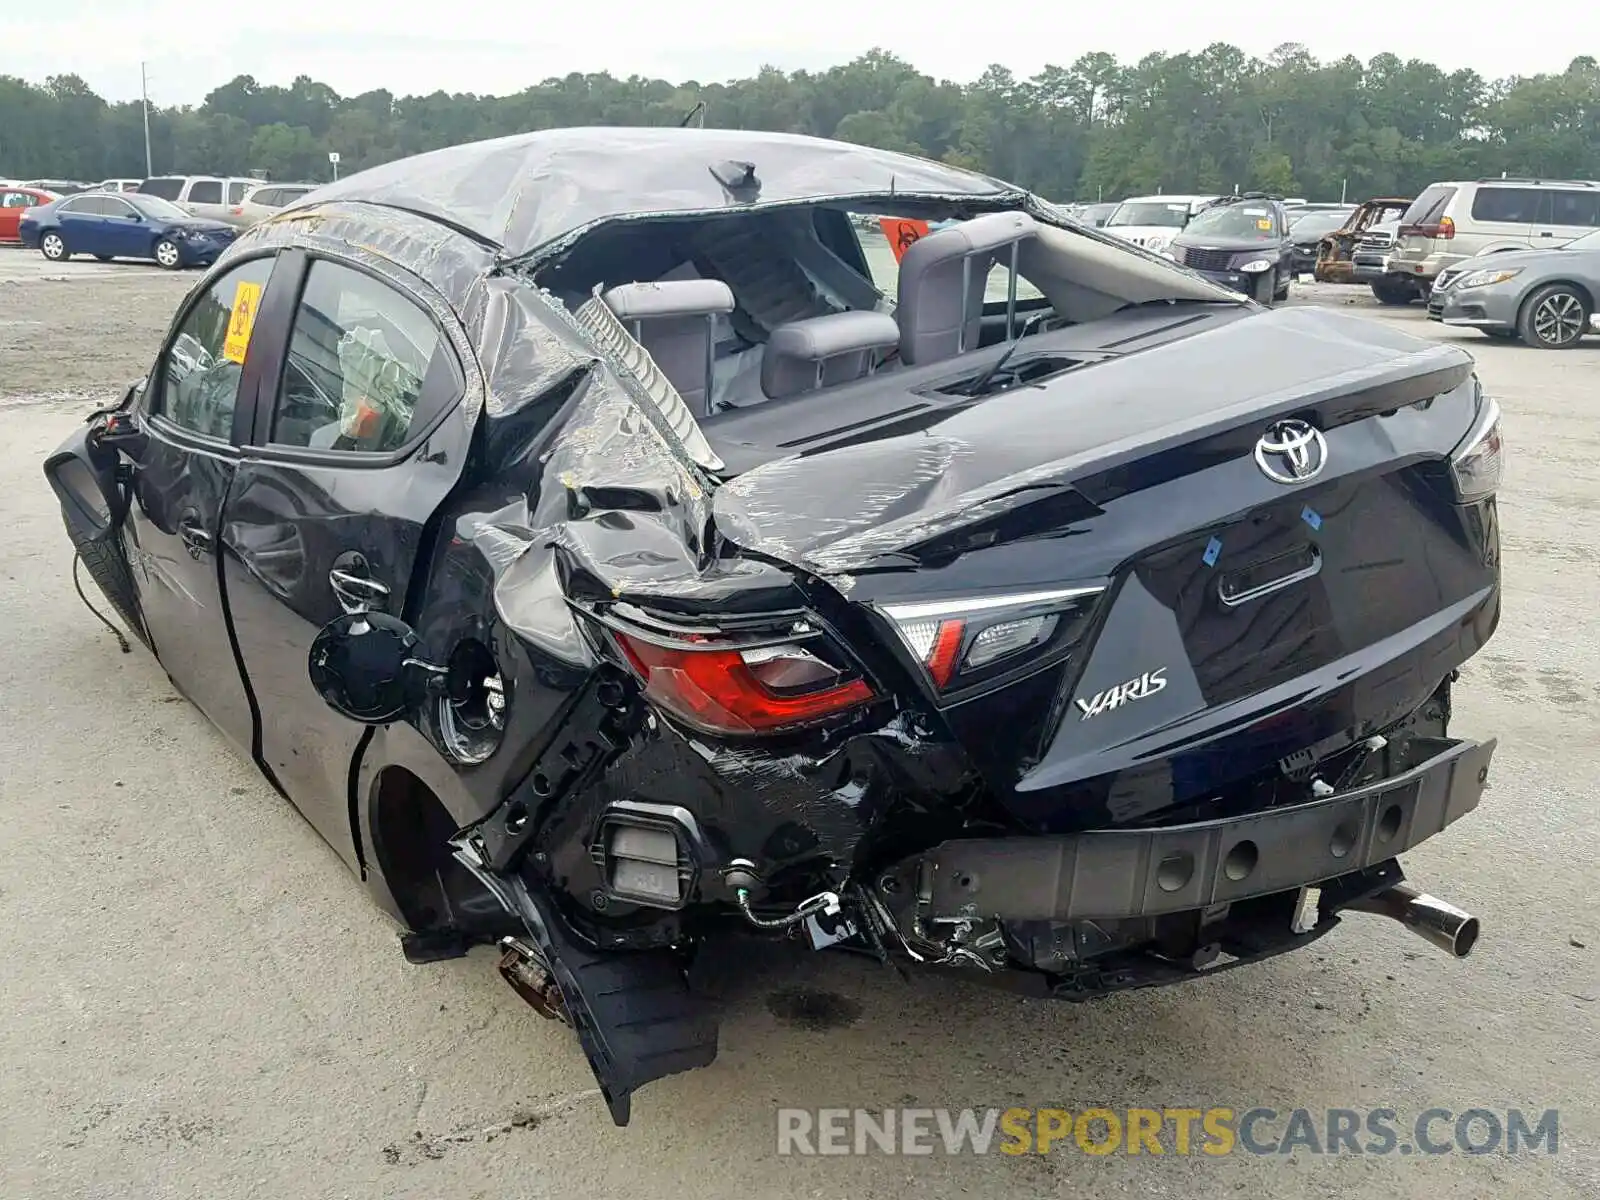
1574	208
201	368
206	191
367	366
158	209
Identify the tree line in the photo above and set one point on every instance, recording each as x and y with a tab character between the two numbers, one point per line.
1202	122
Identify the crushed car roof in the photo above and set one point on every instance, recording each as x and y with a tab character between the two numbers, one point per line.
525	191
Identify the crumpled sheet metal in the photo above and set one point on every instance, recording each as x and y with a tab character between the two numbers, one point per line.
524	191
842	511
612	505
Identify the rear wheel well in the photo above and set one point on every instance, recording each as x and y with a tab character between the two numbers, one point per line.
411	829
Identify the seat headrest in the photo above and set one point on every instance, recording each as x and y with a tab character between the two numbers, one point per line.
673	298
977	236
822	351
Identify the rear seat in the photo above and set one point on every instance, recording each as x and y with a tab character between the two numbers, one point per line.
822	351
676	322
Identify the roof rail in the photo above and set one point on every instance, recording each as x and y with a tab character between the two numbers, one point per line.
1531	179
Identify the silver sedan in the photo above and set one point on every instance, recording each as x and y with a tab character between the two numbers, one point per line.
1544	297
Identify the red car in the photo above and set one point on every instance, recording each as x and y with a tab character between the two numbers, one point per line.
14	201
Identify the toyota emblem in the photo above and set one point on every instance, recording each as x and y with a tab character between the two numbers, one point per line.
1291	452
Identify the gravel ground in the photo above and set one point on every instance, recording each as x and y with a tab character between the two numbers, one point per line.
199	1001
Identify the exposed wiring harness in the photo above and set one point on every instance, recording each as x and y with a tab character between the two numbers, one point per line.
87	603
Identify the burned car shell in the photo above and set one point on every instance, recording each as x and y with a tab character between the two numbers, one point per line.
552	498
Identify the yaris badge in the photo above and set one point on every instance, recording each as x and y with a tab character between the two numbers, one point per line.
1144	685
1291	452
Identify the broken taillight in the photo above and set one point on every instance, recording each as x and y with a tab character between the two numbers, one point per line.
965	642
736	684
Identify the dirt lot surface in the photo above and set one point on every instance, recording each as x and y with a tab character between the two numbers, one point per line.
197	1000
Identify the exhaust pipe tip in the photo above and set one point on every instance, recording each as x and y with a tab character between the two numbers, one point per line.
1451	929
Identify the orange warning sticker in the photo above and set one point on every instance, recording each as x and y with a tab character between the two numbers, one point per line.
902	232
246	300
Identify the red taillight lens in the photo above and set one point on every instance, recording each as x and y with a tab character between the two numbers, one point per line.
759	690
1444	227
237	210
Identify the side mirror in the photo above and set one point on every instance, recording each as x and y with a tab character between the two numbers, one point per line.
364	666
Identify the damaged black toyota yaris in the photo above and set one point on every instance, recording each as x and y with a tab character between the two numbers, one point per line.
608	538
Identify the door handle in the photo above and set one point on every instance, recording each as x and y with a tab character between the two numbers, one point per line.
357	593
196	539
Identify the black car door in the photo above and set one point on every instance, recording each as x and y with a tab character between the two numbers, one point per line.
352	453
195	411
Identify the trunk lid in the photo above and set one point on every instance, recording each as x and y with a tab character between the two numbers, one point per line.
1246	614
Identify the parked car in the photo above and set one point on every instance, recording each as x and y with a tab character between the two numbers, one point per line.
1241	242
1308	228
118	185
1369	228
261	202
594	582
61	187
209	196
1096	214
1153	221
1450	222
128	225
14	202
1546	298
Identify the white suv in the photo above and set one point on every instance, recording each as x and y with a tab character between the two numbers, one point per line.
209	196
1153	221
1453	221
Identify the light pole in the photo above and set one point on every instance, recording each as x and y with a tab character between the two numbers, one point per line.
144	95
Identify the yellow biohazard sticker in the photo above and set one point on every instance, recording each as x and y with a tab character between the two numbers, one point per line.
246	300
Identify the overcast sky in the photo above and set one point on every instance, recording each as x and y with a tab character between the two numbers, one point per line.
502	46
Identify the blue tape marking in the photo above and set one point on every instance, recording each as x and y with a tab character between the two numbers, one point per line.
1311	518
1213	550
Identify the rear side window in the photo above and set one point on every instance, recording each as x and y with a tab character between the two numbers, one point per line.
236	192
1519	206
206	191
267	197
367	366
1427	208
168	187
15	200
1572	208
89	206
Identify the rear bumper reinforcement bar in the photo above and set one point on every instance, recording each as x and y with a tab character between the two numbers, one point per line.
1109	874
